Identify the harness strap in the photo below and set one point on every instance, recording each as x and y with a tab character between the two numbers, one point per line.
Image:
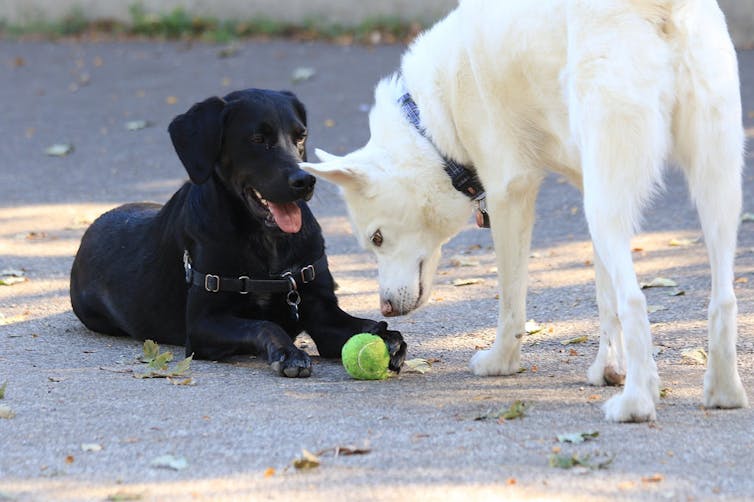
243	284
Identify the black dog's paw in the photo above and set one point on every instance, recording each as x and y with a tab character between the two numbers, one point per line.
291	362
395	345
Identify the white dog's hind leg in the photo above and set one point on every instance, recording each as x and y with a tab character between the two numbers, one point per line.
511	221
709	147
608	367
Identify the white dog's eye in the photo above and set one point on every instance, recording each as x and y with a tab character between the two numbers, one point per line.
377	238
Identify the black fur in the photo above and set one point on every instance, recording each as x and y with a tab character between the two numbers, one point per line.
128	278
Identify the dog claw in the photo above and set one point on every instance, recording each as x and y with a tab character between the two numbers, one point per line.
293	364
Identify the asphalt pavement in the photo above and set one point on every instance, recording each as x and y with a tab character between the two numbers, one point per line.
84	428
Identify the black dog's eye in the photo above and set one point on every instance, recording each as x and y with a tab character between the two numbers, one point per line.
377	238
257	138
300	138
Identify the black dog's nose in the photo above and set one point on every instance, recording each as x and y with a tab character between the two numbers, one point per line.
302	183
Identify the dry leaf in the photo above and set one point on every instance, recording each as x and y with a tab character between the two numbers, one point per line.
417	365
696	355
654	478
302	74
169	462
308	460
6	411
573	341
59	150
269	472
682	242
463	261
136	125
467	282
659	282
531	327
123	496
171	100
577	437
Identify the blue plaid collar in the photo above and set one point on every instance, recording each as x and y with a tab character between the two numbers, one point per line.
463	177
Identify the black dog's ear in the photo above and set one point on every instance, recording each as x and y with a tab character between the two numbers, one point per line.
197	136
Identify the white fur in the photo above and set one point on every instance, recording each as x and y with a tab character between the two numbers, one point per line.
603	92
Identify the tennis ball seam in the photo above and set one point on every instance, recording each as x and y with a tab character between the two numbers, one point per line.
361	350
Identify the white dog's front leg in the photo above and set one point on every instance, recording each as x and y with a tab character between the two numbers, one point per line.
511	221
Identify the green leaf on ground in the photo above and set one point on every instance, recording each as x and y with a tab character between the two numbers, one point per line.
531	326
169	462
150	351
2	390
577	437
573	341
659	282
565	461
516	410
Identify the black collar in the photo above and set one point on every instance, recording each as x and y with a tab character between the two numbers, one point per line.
463	177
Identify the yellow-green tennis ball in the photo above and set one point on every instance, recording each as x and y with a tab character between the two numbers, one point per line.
365	357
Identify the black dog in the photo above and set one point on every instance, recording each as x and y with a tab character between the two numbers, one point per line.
235	262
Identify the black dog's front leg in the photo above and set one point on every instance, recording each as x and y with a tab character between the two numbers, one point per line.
330	328
222	337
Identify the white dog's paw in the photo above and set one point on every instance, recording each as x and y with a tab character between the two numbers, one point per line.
633	407
495	362
724	392
600	374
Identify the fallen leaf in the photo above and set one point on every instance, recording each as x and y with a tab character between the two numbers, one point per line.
228	51
59	150
135	125
742	280
651	309
467	282
55	379
329	123
11	280
682	242
696	355
573	341
664	392
2	390
516	410
169	462
678	292
114	369
188	382
123	496
91	447
69	459
417	365
463	261
6	411
577	437
302	74
565	461
344	451
171	100
659	282
654	478
532	327
269	472
150	350
308	460
747	217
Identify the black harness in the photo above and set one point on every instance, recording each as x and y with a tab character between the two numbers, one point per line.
463	177
288	283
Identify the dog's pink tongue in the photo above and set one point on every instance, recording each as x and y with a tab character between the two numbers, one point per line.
287	216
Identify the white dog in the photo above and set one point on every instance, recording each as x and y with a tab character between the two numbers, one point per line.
600	91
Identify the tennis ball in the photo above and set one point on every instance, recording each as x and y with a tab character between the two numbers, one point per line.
365	357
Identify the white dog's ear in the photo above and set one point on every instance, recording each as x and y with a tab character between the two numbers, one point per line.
342	171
